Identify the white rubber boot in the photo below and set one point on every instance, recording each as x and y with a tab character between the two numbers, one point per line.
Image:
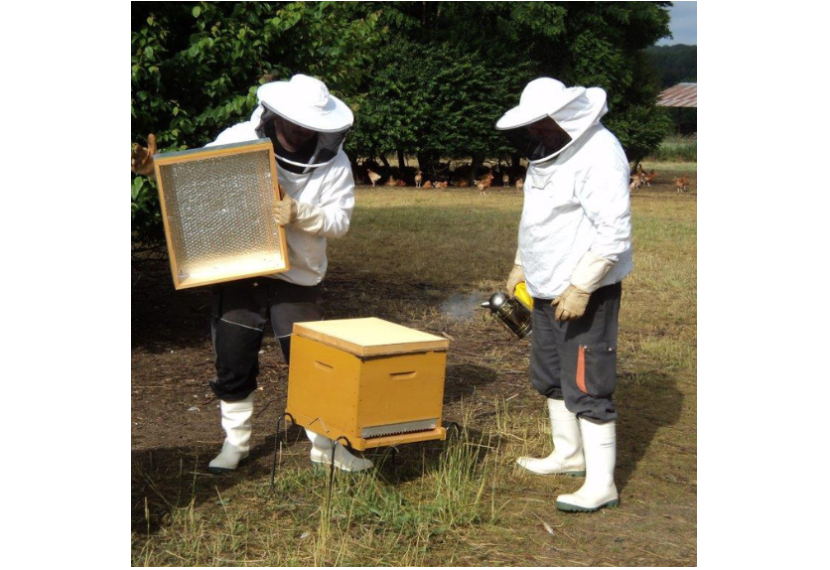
343	459
599	490
567	457
236	420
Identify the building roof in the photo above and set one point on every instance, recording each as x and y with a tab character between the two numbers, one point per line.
681	95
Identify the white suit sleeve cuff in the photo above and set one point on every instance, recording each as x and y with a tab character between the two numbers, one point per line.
310	218
590	271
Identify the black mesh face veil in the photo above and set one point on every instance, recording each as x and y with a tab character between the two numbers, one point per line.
539	140
310	149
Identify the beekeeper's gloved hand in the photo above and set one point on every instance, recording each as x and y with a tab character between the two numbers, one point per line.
141	158
587	276
517	275
306	217
571	304
285	211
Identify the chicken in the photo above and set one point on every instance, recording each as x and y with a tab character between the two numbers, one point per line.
373	176
484	183
681	183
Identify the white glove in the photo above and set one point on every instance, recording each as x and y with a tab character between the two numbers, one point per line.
589	273
285	211
571	304
307	217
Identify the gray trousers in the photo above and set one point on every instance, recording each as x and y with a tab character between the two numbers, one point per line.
576	361
239	313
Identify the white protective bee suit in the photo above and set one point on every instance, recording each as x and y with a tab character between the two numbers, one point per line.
574	250
316	178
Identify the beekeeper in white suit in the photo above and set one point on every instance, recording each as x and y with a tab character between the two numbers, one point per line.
574	250
307	126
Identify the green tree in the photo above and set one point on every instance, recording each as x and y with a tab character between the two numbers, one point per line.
447	70
424	78
196	67
445	105
673	64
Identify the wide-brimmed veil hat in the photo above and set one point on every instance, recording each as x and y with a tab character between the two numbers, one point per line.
574	109
304	101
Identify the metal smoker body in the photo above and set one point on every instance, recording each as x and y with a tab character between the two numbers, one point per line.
514	314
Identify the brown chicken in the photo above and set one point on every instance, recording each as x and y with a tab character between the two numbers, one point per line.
682	184
484	183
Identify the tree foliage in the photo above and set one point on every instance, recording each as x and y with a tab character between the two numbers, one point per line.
424	78
673	64
196	67
445	106
449	69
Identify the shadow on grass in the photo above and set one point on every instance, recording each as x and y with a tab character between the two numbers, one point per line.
649	401
463	380
165	479
161	317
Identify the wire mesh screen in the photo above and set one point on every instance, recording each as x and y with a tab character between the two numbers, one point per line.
219	220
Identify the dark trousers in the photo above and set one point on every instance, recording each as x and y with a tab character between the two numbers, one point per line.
576	361
239	313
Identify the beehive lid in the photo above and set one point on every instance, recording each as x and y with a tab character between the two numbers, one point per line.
370	337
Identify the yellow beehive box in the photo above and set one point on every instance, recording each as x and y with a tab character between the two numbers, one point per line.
368	380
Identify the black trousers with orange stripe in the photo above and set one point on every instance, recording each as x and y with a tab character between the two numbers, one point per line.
576	361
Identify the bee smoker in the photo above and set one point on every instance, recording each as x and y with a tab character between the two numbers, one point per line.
512	312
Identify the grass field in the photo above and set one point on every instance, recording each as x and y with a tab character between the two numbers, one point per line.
426	259
677	148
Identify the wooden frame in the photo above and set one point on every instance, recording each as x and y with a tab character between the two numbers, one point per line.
217	217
